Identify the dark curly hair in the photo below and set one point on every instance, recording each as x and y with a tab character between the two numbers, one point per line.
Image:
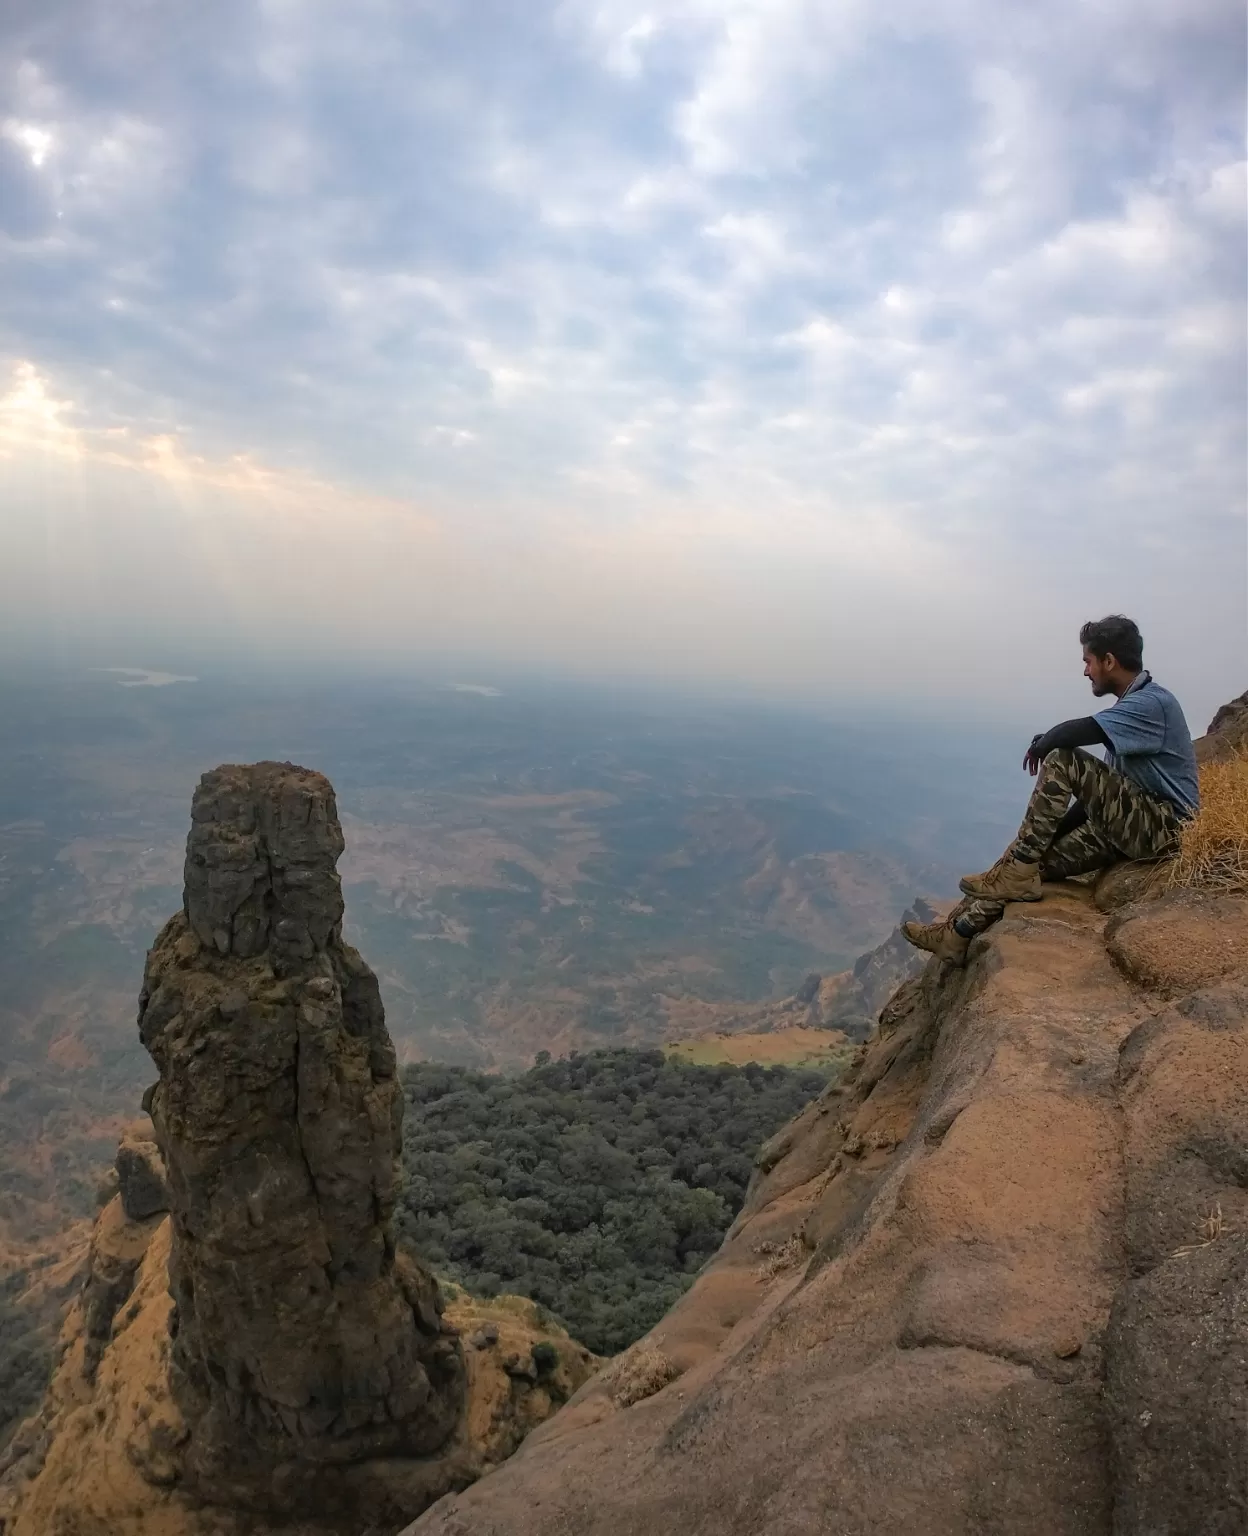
1115	636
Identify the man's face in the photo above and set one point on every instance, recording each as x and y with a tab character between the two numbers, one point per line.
1097	670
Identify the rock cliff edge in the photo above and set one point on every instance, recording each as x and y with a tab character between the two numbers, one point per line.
994	1280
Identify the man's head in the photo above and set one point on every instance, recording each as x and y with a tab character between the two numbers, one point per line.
1113	654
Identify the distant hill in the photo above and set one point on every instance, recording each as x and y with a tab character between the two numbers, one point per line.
540	870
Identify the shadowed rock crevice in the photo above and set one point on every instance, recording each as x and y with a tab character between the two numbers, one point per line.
299	1343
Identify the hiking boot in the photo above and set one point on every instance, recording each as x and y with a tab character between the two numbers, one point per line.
940	939
1009	879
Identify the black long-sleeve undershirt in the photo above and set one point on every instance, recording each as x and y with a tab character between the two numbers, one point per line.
1071	733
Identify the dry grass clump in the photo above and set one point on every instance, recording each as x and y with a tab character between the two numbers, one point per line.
1213	848
640	1373
779	1257
1211	1227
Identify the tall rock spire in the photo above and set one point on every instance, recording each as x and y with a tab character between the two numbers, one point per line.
301	1343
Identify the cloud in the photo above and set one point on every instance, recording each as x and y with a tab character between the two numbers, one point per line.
926	309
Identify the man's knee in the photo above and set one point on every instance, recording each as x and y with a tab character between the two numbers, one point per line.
1073	769
973	915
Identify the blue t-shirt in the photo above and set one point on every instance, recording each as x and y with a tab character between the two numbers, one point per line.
1151	744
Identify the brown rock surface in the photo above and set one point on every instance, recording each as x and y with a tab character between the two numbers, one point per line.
1129	881
104	1455
141	1173
1182	941
300	1345
1228	732
992	1281
1177	1344
949	1302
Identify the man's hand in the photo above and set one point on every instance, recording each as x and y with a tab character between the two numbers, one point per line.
1071	733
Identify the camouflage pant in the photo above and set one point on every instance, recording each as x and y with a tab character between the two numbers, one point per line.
1124	821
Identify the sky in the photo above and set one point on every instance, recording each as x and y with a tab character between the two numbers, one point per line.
811	349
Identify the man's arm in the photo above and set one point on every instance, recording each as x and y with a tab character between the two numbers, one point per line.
1086	732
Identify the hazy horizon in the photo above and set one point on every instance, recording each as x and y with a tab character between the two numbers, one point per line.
843	356
1060	692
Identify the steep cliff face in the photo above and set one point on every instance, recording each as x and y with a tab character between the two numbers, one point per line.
104	1455
300	1344
994	1280
851	1001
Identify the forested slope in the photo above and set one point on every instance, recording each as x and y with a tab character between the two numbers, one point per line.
598	1185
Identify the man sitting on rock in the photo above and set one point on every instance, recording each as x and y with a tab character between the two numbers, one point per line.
1085	814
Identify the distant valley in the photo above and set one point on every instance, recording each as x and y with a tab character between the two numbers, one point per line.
526	870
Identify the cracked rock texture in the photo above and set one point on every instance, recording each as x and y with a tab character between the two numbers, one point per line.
300	1342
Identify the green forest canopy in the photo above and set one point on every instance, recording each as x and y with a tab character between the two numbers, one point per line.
598	1185
25	1356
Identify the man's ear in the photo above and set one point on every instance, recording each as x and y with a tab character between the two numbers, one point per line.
1109	661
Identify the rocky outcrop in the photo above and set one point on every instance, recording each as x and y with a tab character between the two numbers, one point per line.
104	1455
992	1281
1179	940
141	1174
301	1344
118	1245
264	1348
1228	732
852	1000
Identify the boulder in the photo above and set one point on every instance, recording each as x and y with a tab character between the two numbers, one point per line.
1176	1385
141	1176
300	1345
1180	942
1130	881
1227	734
956	1300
